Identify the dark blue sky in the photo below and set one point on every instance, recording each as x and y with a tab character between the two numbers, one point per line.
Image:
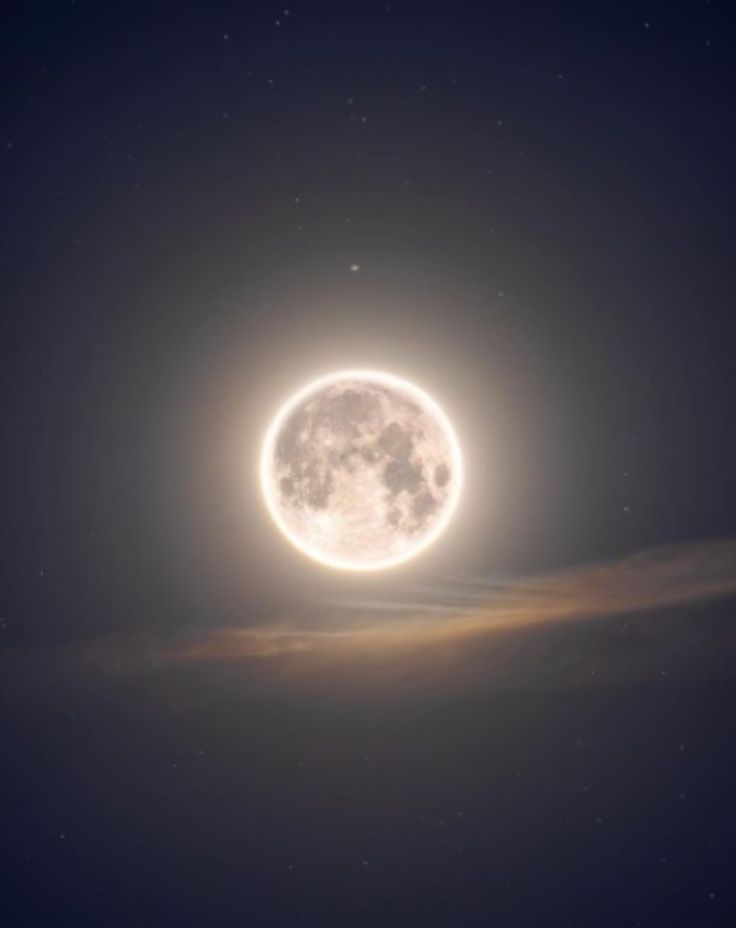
540	200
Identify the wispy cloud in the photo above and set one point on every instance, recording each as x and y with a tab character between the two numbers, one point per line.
651	580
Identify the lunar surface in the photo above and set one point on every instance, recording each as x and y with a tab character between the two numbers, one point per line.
361	470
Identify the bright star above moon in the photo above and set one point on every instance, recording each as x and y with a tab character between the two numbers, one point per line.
361	470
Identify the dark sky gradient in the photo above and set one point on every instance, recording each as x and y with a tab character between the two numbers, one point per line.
540	198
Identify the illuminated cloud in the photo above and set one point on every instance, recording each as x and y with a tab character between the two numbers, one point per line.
652	580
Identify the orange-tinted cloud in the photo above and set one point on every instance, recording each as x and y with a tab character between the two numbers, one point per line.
652	580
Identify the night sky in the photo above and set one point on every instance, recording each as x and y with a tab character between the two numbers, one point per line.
528	208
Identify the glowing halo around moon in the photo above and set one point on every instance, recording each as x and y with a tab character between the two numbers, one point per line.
361	470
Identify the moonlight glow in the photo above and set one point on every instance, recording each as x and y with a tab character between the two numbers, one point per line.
361	470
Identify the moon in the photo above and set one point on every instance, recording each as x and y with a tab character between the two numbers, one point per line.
361	470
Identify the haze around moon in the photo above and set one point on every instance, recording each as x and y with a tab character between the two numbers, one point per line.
361	470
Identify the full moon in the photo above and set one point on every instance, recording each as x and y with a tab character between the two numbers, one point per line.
361	470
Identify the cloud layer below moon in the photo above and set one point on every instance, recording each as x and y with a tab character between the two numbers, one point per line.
534	630
652	580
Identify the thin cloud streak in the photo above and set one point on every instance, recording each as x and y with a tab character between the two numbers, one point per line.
652	580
